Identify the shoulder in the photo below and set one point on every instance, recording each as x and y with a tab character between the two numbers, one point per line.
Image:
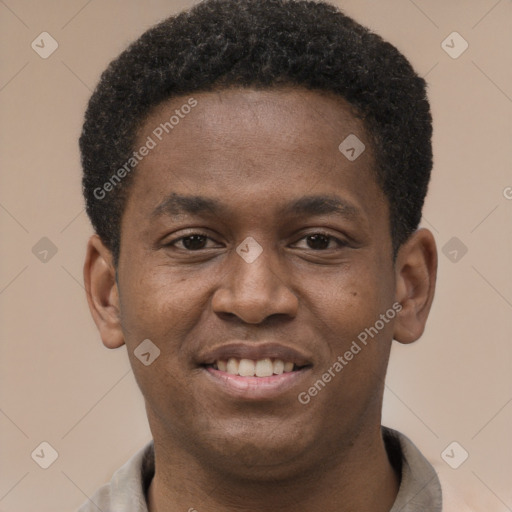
420	489
128	485
462	492
430	484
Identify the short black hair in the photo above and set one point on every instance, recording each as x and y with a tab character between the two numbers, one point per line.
261	44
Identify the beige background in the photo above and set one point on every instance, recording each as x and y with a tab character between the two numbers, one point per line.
60	385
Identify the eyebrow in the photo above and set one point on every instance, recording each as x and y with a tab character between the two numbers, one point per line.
322	205
178	204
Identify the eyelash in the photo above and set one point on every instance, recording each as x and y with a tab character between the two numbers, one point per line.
172	243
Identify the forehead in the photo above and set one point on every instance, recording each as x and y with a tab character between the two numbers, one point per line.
253	145
304	119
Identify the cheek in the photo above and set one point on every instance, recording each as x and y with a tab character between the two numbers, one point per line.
158	305
166	307
163	309
348	305
358	351
349	300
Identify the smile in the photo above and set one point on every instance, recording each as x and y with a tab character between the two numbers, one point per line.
254	371
254	368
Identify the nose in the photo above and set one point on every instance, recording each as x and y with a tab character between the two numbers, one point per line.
255	291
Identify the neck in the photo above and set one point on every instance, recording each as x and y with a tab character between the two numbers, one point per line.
359	478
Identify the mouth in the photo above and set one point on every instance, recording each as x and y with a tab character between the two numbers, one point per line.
255	372
260	368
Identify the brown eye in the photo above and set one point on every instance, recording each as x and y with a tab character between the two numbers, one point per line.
318	241
192	242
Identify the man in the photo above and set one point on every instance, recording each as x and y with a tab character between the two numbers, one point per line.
255	172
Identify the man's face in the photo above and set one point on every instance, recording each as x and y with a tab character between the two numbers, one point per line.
323	276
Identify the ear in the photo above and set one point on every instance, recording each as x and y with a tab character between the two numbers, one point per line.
102	292
415	274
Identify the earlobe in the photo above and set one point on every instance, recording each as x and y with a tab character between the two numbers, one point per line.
416	271
102	292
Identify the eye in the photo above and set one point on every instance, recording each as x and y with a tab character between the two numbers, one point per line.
192	242
317	241
322	241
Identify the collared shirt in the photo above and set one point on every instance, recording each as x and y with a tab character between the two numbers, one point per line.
420	489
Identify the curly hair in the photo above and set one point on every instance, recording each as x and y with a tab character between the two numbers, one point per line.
261	44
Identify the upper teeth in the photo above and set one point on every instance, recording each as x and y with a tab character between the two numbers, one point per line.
249	368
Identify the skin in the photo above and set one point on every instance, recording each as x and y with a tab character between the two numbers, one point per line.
255	152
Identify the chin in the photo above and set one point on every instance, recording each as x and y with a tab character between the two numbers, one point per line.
257	454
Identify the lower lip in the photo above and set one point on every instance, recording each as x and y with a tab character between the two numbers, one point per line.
255	388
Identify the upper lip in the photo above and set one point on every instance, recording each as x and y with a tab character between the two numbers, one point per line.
254	351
